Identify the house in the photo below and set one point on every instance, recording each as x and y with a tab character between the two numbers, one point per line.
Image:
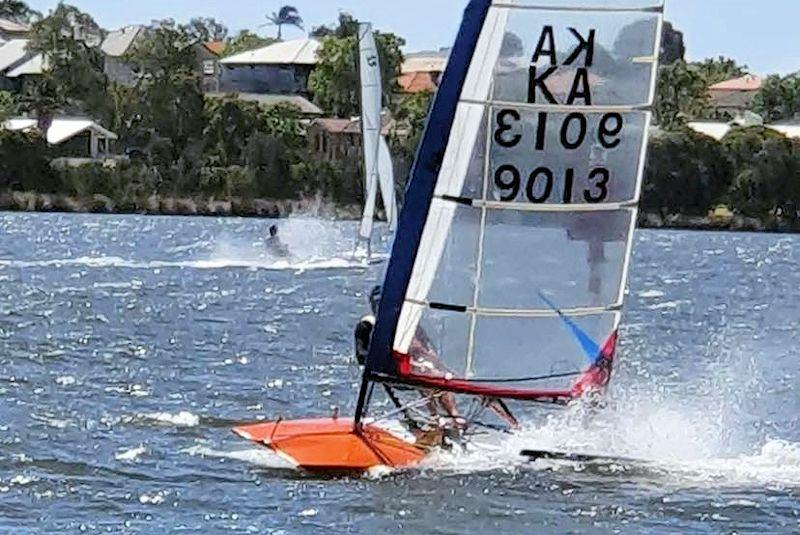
120	42
10	30
17	64
735	96
422	71
114	47
88	138
281	68
334	139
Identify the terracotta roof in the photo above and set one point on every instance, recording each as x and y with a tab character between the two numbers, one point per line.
749	82
417	82
351	126
215	47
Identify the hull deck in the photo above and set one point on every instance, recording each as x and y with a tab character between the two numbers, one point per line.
332	445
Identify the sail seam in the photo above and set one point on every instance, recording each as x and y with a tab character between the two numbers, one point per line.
529	207
566	108
516	312
582	9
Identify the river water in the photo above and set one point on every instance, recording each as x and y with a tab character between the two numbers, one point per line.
131	345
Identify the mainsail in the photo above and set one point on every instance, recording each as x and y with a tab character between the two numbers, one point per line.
378	173
509	267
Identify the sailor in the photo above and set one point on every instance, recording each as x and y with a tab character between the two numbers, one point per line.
274	244
365	327
424	361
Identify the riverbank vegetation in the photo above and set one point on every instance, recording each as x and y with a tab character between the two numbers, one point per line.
183	144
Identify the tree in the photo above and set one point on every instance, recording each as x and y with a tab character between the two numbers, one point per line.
779	98
74	80
207	30
8	105
686	173
244	41
672	45
766	168
335	81
168	84
287	15
720	69
346	26
681	95
17	11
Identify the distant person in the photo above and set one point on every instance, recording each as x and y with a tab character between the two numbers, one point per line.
274	244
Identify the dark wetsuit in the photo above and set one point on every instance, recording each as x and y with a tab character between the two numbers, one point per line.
363	336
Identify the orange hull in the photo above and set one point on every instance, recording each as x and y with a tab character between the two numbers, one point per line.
332	445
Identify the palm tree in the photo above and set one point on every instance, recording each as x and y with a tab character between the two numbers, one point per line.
287	15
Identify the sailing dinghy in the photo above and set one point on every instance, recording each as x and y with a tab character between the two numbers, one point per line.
378	169
507	276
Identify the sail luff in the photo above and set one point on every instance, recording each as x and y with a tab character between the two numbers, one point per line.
420	190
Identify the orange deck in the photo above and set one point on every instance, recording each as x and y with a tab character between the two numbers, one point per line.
332	445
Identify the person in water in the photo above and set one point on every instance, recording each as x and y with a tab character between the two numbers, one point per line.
425	362
274	244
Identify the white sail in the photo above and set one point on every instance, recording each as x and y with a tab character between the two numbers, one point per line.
386	177
371	103
521	265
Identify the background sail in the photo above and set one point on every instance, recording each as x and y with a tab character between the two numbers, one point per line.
371	103
531	217
386	177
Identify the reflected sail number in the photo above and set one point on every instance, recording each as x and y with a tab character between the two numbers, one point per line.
508	179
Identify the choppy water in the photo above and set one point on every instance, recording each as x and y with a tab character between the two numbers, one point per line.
131	345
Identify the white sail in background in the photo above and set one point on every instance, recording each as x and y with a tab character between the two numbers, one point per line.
523	259
371	103
386	177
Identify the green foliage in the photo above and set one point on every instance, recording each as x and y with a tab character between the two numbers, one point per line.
207	30
335	81
70	41
286	16
766	169
244	41
686	173
720	69
17	11
681	95
9	105
779	98
168	85
25	163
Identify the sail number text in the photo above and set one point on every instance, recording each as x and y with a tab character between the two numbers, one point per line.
539	184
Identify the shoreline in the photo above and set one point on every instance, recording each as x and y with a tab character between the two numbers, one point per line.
30	202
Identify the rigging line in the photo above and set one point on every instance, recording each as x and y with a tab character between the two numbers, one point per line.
527	379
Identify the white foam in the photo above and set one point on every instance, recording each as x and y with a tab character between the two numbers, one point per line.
156	498
181	419
131	454
66	380
256	456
